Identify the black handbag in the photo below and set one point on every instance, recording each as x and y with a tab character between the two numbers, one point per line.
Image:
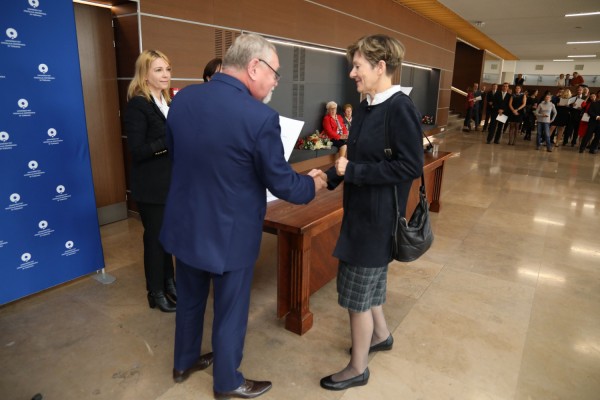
410	239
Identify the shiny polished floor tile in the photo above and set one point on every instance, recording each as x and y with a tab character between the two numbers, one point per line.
503	307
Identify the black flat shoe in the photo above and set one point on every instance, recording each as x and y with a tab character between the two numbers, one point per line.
360	380
247	390
386	345
171	290
203	362
158	299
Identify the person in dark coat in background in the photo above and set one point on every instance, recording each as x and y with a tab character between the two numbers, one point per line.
593	129
364	245
211	68
501	100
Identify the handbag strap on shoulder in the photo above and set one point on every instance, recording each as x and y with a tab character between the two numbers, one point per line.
389	153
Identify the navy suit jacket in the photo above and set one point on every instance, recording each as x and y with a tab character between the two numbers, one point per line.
226	151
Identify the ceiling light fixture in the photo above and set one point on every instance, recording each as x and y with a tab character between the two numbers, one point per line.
583	56
583	14
587	42
564	60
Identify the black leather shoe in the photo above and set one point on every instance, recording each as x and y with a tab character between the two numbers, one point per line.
247	390
171	290
593	151
360	380
387	344
203	362
158	299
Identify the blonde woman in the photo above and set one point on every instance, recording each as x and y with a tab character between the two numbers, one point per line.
562	117
144	121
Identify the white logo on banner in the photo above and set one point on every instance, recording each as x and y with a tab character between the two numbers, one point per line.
62	195
34	173
53	139
44	76
24	111
5	144
17	204
44	230
71	249
27	261
2	243
33	10
12	34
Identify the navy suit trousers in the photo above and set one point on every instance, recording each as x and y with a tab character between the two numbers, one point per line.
231	306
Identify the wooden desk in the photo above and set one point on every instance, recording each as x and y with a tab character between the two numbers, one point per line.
307	234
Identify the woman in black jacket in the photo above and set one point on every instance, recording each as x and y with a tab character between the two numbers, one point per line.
145	127
365	242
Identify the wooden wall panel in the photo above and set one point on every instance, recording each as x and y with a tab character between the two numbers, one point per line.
442	117
444	98
127	45
199	11
188	46
446	78
468	68
322	24
99	81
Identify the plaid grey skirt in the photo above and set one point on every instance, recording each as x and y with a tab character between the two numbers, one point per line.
360	288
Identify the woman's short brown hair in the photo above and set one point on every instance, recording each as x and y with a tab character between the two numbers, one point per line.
375	48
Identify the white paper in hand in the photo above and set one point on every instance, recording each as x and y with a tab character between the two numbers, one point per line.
290	130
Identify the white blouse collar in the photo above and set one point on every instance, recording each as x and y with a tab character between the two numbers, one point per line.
383	96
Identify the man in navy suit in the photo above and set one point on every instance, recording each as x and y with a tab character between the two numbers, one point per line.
500	101
226	149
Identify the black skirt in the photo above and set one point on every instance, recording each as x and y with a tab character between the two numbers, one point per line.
562	116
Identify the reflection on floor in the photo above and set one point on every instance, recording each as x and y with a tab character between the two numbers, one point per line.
504	306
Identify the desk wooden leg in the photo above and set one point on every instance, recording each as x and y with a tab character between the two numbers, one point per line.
293	282
438	173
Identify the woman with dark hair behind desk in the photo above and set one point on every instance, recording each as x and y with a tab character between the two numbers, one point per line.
145	126
365	241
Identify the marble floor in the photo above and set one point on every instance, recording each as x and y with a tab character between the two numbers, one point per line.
505	305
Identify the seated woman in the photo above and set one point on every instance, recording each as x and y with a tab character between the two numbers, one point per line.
334	128
348	116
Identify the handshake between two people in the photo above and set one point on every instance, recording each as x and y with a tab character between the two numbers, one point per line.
319	177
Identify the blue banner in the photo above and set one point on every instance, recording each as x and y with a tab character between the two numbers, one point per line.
49	230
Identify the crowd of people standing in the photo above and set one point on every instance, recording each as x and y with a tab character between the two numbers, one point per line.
560	118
